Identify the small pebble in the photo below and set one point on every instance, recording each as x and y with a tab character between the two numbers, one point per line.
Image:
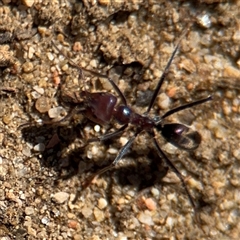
77	47
170	222
53	141
93	63
104	2
87	212
55	112
163	101
35	95
26	151
38	89
31	51
45	220
98	214
50	56
27	67
102	203
28	3
236	36
155	192
145	217
188	65
204	20
40	147
112	150
150	204
29	210
72	224
230	71
60	197
236	154
97	128
31	231
42	104
7	119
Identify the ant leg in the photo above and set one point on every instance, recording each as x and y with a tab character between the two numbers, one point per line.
165	72
114	85
59	122
161	80
188	105
174	169
120	155
108	135
69	115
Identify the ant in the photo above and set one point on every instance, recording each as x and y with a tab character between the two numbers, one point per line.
102	107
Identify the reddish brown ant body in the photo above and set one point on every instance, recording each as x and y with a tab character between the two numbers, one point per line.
102	107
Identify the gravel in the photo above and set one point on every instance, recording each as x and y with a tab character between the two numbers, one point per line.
42	167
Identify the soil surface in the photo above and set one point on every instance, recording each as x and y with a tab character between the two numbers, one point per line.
44	162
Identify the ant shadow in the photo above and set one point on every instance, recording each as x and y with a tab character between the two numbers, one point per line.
66	162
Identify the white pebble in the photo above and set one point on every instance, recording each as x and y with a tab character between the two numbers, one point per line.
39	89
86	212
155	192
50	56
145	217
204	21
40	147
112	151
123	140
26	151
55	112
236	36
60	197
28	3
102	203
170	222
35	95
31	51
97	128
93	63
95	150
45	220
29	210
99	215
236	154
163	101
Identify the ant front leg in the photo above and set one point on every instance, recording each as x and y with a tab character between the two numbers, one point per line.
109	135
120	155
175	170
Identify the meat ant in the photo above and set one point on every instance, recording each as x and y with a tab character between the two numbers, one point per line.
102	107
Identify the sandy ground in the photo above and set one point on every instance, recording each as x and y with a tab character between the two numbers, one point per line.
42	166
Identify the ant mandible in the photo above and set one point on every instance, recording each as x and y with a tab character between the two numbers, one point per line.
102	107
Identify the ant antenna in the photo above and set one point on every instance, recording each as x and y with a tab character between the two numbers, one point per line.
165	72
81	69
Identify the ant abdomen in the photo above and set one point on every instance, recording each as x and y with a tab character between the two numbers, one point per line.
99	106
180	136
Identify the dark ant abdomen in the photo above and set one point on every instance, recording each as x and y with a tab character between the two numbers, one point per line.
99	106
181	136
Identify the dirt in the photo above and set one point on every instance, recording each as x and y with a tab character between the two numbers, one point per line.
44	162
